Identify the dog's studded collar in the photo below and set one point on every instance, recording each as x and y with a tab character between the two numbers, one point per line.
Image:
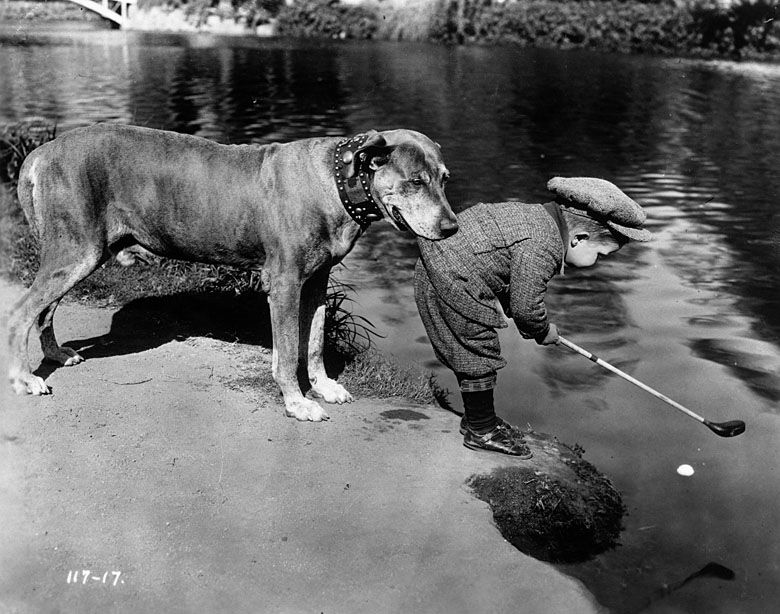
355	192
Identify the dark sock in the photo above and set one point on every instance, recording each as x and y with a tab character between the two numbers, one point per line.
480	413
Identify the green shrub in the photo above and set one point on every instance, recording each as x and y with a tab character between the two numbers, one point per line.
17	141
44	10
408	20
18	247
249	12
326	19
740	28
610	25
703	27
743	26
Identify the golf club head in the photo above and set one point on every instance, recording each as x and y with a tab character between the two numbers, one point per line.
726	429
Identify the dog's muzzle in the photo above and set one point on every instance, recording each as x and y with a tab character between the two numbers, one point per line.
399	219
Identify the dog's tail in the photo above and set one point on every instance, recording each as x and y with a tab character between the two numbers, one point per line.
25	191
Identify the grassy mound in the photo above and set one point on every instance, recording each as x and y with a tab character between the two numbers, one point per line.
557	507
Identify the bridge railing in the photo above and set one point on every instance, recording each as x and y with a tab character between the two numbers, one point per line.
118	11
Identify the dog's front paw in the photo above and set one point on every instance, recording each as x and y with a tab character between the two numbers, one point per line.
330	391
27	383
305	409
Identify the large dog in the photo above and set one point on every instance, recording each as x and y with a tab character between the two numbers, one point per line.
292	210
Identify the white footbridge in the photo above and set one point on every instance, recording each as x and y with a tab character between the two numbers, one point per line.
117	11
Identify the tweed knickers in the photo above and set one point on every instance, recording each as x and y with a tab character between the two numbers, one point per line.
468	348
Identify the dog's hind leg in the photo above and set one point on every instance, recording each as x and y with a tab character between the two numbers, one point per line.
284	299
313	320
37	308
52	350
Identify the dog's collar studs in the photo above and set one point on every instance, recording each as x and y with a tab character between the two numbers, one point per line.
355	191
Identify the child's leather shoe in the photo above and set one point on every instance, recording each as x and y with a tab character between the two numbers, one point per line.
464	425
501	438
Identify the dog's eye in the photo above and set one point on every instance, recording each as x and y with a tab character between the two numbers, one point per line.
418	181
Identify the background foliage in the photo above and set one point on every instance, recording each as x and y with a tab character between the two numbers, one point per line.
328	18
696	27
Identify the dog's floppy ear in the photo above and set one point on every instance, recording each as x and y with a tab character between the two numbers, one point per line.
372	154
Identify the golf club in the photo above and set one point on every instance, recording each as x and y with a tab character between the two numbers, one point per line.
724	429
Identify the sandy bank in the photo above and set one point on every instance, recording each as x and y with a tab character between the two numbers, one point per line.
165	466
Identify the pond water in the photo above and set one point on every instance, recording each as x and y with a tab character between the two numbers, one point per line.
696	313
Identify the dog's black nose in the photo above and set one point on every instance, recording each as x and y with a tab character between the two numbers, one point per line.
448	226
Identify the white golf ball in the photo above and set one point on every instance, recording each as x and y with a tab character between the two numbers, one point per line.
685	470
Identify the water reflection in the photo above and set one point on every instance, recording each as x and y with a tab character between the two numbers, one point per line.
755	364
591	308
711	570
696	313
239	94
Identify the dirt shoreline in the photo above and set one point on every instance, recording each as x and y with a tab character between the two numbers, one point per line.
161	465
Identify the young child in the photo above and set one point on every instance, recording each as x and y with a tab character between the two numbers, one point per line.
506	253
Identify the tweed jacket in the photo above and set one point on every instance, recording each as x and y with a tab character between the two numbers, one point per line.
504	253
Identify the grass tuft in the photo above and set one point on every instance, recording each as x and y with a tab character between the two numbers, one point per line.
18	140
373	374
345	332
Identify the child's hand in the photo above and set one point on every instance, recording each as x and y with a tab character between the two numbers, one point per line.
551	338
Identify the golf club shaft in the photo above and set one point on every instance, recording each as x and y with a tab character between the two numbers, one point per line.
627	377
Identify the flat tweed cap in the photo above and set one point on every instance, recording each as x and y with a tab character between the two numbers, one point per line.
604	202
